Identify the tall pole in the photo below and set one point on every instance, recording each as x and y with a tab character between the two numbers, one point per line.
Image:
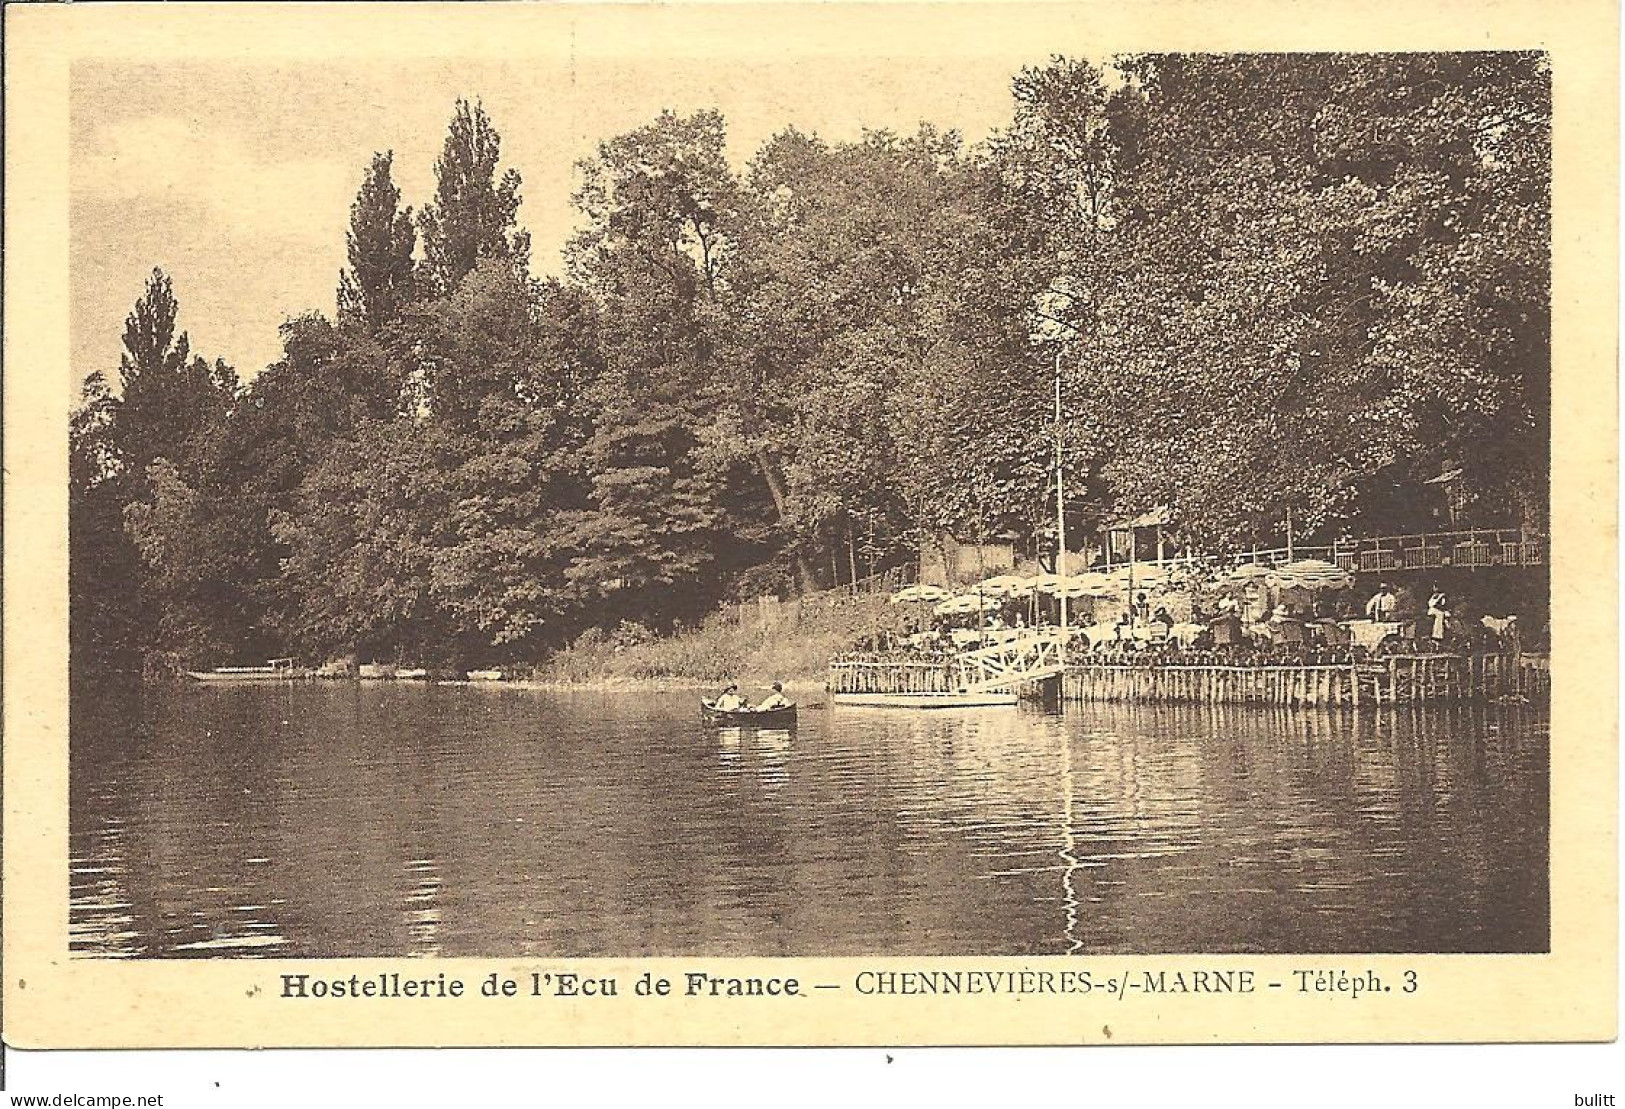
1060	510
1133	553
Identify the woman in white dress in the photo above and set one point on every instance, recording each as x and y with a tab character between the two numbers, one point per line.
1439	614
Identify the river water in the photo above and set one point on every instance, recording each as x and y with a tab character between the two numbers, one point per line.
343	819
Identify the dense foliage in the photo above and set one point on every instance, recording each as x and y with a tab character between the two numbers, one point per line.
1267	283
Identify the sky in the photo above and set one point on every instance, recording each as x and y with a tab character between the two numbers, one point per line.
237	178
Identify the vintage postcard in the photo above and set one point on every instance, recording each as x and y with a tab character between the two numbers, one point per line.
912	524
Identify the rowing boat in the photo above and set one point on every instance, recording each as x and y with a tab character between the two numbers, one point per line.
782	717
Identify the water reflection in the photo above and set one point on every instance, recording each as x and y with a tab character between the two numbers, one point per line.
412	820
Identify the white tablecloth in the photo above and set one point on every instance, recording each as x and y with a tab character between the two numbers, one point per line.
1187	633
1369	633
1100	633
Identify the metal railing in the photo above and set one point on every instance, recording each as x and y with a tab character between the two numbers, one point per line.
1026	656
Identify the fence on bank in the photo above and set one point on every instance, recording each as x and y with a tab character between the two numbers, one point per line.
768	612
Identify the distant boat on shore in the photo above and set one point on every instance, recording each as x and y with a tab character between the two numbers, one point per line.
389	672
276	670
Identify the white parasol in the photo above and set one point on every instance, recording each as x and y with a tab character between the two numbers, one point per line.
963	604
1148	576
1248	571
919	594
1311	573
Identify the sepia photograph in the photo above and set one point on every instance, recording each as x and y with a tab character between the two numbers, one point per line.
1068	504
848	525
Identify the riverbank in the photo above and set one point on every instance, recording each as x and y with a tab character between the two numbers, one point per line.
794	647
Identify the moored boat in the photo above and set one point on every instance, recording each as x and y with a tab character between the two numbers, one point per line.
781	717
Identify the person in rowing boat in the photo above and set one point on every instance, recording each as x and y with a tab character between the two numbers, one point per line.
729	700
774	700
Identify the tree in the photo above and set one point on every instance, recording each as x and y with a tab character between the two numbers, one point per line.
833	269
381	240
330	383
473	215
1295	304
434	533
171	404
194	573
360	539
512	365
103	566
886	284
672	432
655	534
153	571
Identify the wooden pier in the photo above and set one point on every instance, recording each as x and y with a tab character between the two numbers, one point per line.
1222	685
890	676
1396	679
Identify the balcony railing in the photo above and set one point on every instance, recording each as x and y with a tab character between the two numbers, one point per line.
1475	549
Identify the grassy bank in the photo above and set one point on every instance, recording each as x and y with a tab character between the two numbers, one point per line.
794	647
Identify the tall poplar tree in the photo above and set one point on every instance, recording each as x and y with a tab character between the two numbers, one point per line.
155	569
474	214
381	239
172	404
